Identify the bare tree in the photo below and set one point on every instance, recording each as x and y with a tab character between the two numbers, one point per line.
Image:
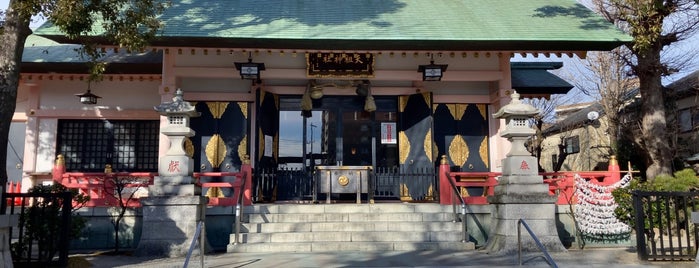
546	116
654	25
605	77
123	189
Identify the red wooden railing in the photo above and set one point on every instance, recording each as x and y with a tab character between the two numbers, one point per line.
245	173
561	184
100	186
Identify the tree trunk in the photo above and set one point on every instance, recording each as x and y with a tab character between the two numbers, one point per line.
117	222
653	117
562	155
14	34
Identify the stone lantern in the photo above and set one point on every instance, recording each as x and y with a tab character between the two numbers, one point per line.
517	130
174	206
521	193
176	167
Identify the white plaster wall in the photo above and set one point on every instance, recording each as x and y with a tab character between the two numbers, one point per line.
116	95
46	147
226	85
384	61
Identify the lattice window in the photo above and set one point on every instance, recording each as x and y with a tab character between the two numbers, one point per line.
519	122
88	145
176	120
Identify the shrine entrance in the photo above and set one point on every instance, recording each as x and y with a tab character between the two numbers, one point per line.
338	132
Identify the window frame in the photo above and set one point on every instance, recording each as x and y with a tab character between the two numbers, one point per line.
88	145
686	119
572	144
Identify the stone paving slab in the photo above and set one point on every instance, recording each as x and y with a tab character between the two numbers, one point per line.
595	257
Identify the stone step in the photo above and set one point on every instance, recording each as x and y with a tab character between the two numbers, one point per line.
349	246
349	227
350	217
348	208
340	236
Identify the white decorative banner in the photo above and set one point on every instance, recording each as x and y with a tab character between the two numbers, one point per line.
388	133
269	144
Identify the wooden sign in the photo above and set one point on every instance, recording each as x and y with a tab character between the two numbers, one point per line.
340	65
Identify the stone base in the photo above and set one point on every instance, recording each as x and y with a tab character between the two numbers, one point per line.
174	186
6	222
169	225
531	203
541	219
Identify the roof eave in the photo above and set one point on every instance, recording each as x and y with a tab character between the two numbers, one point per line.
82	68
367	44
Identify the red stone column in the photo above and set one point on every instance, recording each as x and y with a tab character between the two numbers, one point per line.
445	191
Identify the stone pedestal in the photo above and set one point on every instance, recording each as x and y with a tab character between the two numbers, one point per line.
515	202
175	205
6	222
521	192
169	224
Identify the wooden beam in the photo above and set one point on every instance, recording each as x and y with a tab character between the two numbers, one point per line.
388	75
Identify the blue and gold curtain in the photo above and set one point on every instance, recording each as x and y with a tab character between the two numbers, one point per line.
220	142
267	142
461	133
415	146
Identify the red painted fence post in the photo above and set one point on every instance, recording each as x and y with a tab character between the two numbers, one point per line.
58	169
614	171
247	169
445	191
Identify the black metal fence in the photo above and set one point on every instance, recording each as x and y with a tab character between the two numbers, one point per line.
42	236
664	227
389	184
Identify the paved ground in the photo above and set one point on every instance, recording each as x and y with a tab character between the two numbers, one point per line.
594	257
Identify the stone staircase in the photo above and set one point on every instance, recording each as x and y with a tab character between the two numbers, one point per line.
348	227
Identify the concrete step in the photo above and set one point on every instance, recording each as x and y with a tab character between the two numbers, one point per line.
347	208
349	246
350	227
350	217
340	236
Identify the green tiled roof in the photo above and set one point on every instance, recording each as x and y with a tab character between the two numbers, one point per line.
43	55
385	24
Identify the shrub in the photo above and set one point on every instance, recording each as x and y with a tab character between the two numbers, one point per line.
41	222
682	181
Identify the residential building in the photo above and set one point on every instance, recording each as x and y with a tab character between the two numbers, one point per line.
582	129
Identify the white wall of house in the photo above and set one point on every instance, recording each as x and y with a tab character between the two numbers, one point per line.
594	142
